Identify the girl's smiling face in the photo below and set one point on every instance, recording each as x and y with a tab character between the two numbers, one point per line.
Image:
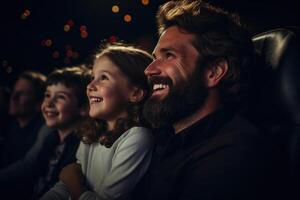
109	91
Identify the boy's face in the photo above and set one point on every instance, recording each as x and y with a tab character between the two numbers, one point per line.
60	106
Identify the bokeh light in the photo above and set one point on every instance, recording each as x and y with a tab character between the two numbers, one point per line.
145	2
115	9
48	43
127	18
27	13
67	28
82	28
84	34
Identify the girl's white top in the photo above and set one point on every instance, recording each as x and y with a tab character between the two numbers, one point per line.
111	173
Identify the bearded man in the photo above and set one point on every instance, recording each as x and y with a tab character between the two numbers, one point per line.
204	150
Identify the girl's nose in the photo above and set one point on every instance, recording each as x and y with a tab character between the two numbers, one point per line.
90	86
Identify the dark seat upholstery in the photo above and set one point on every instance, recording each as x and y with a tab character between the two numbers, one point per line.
276	108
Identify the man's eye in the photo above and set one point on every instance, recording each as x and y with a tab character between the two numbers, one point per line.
169	55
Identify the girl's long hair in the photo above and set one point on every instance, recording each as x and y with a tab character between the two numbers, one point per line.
131	62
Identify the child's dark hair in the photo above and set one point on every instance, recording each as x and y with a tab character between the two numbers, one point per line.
131	62
76	77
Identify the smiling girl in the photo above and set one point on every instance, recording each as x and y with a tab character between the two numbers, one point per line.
115	152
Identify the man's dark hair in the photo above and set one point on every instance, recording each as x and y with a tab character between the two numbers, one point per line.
219	35
76	77
37	81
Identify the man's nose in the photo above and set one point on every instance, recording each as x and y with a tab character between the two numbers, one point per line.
153	68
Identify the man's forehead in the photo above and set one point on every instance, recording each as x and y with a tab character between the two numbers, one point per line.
174	38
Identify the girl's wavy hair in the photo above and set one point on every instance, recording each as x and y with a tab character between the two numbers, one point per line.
218	35
132	62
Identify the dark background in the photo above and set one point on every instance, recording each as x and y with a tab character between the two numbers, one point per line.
23	39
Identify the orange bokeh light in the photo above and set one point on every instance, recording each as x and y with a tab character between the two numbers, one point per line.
115	9
145	2
67	28
84	34
127	18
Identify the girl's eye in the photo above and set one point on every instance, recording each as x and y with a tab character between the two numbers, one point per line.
103	77
92	78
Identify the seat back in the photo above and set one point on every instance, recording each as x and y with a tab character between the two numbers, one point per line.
276	107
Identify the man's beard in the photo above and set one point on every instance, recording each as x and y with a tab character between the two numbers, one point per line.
181	102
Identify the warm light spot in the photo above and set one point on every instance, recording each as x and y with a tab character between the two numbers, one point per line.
84	34
26	13
55	54
145	2
127	18
48	42
115	9
67	28
83	28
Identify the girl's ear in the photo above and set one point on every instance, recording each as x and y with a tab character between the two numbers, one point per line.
137	95
215	73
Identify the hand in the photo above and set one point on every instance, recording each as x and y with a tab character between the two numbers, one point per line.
72	176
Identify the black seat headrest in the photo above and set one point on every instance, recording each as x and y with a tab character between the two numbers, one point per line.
279	50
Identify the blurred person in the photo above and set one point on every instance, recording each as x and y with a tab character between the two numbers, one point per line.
204	148
115	154
22	130
24	107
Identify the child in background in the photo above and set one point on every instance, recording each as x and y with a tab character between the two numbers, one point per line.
115	153
65	105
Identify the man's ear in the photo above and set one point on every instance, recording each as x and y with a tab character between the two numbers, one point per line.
137	95
215	73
